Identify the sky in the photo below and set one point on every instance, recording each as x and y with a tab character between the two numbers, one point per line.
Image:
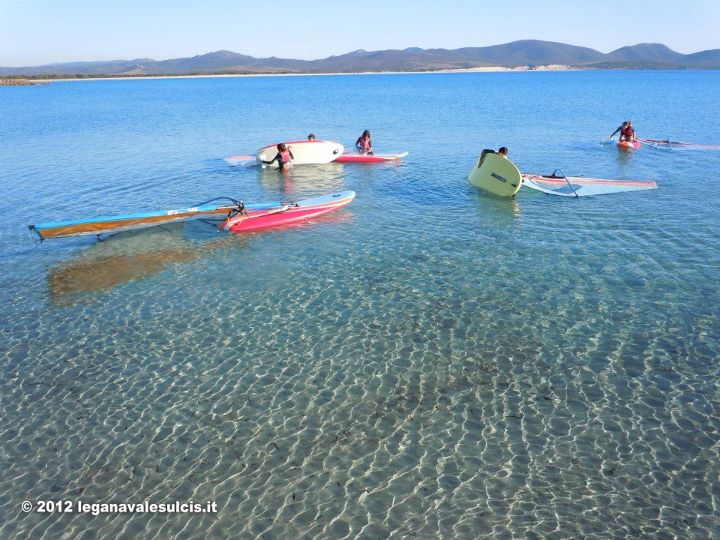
38	32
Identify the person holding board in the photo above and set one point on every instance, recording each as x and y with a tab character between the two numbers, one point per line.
502	152
495	173
627	132
284	156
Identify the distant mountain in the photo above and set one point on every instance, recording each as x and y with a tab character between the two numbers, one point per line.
646	52
215	62
704	59
534	52
515	54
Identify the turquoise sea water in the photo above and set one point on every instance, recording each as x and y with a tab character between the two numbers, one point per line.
428	363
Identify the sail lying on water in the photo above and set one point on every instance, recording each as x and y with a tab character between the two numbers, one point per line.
140	220
677	145
577	186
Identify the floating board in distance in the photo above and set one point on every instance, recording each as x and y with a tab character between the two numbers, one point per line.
304	152
495	174
369	158
629	145
578	186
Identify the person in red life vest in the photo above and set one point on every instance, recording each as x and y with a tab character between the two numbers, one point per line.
283	156
627	132
364	143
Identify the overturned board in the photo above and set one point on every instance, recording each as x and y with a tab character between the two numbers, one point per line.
304	152
495	174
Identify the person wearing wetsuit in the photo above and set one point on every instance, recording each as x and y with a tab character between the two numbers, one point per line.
627	132
502	152
364	143
283	156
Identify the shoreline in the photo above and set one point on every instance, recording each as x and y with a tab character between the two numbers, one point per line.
484	69
19	81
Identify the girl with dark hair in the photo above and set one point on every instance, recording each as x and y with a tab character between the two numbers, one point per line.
364	143
283	157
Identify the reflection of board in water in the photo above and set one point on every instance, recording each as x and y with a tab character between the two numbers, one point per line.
135	255
303	180
129	256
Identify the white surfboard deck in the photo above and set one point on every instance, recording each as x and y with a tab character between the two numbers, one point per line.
304	152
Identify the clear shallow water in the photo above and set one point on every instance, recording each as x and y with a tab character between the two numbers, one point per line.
428	363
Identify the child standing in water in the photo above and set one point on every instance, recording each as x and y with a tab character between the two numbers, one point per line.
627	132
364	143
283	156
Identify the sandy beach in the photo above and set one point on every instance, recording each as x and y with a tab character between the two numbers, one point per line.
483	69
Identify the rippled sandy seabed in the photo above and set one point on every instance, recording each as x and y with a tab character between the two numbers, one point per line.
427	363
